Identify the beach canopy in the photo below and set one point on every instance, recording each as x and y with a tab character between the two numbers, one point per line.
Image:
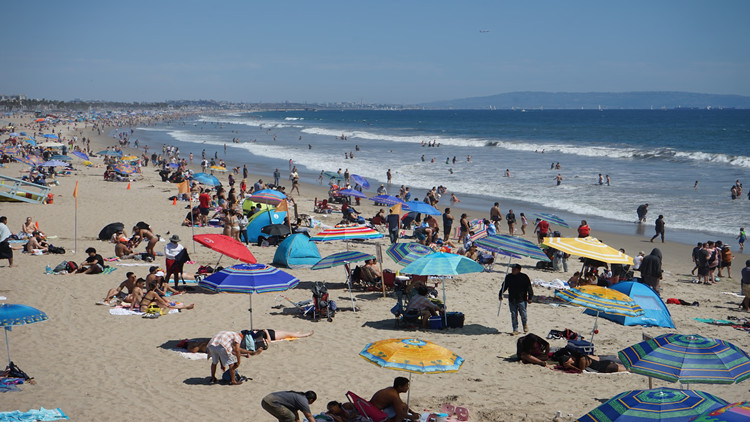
386	199
735	412
655	312
514	244
12	315
406	253
659	404
226	245
688	358
249	279
588	247
296	251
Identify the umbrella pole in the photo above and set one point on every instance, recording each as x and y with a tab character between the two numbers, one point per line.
596	325
445	307
650	383
349	284
217	262
7	344
251	311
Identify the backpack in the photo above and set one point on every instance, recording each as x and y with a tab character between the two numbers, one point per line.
63	266
71	266
12	371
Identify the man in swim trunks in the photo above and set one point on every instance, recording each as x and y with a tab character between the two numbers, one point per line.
128	284
389	401
496	216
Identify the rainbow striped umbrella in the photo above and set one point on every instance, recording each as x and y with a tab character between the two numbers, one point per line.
341	258
26	160
601	299
735	412
267	196
124	168
688	359
588	247
661	404
347	233
406	253
552	218
249	279
503	243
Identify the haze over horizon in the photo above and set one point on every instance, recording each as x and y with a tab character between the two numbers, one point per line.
385	52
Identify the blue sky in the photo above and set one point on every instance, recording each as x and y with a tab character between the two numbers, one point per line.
376	51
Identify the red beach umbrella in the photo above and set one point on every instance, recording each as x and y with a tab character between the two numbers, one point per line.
225	245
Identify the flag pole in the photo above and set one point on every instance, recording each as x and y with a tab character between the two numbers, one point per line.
75	219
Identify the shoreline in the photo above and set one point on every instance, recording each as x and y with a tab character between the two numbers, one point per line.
132	355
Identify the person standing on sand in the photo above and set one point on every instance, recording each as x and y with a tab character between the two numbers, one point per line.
659	227
496	215
464	228
5	250
746	286
447	224
651	271
510	217
584	230
524	223
520	294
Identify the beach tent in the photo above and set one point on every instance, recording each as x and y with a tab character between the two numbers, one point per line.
656	312
260	220
296	251
247	205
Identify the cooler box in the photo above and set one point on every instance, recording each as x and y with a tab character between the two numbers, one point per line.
455	319
581	346
436	322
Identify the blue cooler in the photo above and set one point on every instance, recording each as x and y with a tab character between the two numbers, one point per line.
436	322
581	346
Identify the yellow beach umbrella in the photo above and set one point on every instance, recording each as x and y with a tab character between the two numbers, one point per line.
218	168
129	158
588	247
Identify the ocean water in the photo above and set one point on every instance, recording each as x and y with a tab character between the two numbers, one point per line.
651	156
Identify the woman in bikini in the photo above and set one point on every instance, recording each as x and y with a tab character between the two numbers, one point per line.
150	237
153	298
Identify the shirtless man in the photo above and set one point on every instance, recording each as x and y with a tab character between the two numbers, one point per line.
495	216
28	228
123	248
36	242
389	401
129	285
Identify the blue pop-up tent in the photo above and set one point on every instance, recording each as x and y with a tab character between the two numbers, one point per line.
296	251
656	312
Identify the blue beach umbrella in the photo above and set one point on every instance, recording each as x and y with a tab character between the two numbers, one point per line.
30	141
51	136
406	253
552	218
61	158
80	155
13	314
659	404
206	179
514	244
386	199
351	192
421	208
250	279
342	258
688	359
360	181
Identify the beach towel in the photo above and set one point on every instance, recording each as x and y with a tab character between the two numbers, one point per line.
108	270
188	355
33	415
125	311
554	284
714	321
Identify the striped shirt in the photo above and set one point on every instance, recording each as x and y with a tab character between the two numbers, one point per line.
226	339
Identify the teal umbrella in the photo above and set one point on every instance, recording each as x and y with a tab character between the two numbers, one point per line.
443	264
343	258
552	218
13	314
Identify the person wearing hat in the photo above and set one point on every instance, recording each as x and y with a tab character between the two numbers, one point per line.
520	293
171	250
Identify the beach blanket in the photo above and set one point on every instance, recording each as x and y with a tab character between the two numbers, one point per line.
33	415
188	355
125	311
733	294
10	384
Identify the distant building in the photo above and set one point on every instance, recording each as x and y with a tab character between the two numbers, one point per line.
17	97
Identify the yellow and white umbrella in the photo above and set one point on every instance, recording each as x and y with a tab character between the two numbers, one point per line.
588	247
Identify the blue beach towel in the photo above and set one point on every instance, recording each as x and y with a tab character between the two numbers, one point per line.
33	415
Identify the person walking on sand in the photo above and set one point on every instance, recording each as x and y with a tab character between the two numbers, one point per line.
524	223
510	218
277	176
447	224
659	227
520	294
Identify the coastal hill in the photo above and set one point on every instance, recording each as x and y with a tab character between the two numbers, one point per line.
595	100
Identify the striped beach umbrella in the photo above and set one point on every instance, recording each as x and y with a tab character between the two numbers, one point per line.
26	160
601	299
688	359
588	247
386	199
406	253
341	258
552	218
659	404
267	196
347	233
250	279
517	245
735	412
123	168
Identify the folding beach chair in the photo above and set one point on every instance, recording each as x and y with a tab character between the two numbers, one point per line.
366	410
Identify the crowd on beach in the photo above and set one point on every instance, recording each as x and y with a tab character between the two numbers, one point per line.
152	294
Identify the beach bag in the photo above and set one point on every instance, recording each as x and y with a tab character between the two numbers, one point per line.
63	266
55	249
71	266
237	376
12	371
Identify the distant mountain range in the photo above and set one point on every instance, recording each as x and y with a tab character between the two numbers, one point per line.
595	100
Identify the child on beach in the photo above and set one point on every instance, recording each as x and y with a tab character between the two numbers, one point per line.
742	238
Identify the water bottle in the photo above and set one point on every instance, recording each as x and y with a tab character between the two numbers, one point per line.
48	270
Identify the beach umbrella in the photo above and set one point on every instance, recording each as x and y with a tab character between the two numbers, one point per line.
406	253
351	192
588	247
14	134
346	232
411	355
267	196
206	179
53	163
123	168
601	299
517	245
735	412
360	181
110	153
688	358
30	141
659	404
80	155
333	175
386	199
249	279
171	165
12	315
51	136
134	158
276	230
443	264
26	160
218	168
10	149
421	208
343	258
61	158
552	218
226	245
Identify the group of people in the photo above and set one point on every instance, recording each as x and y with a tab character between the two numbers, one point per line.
141	294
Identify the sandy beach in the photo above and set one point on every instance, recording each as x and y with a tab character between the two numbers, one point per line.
97	366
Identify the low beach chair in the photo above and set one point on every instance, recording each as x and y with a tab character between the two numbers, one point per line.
367	411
